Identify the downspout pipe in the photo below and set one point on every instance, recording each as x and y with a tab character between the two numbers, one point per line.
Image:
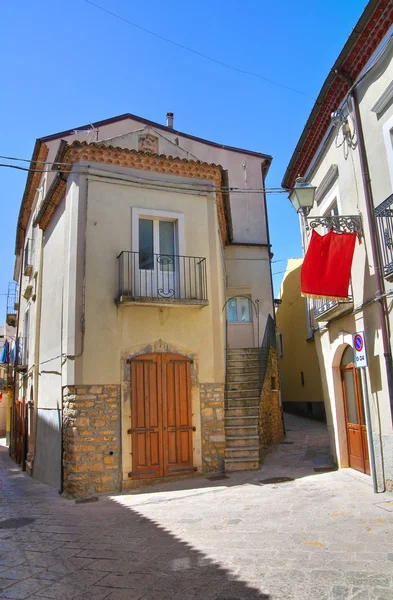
374	247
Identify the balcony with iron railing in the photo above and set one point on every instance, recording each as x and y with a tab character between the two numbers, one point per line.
12	304
326	309
161	279
384	221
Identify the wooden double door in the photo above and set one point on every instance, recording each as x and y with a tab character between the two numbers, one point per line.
161	416
354	414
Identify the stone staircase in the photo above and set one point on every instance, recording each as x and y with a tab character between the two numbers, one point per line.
241	413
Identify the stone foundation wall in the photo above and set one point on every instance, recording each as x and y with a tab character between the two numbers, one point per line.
213	427
270	424
91	439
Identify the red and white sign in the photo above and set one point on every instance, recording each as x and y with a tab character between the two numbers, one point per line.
359	350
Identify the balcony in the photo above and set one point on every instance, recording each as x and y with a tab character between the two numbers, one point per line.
326	309
162	279
12	304
384	220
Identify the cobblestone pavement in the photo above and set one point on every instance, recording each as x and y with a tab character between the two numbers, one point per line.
321	536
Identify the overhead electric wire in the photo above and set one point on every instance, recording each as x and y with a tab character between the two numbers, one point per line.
201	54
38	162
155	183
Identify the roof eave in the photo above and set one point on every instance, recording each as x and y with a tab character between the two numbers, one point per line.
335	71
118	118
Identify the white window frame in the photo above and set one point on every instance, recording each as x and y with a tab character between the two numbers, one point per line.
332	197
388	138
250	322
149	213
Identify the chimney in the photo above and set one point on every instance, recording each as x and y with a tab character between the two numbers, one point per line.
169	120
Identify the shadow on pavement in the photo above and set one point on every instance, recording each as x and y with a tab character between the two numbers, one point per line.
54	548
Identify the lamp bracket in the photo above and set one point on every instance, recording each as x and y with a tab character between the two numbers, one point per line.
337	223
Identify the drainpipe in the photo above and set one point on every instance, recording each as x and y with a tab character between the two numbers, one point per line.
374	247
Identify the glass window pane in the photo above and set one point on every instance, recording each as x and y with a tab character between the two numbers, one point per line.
244	307
232	311
348	357
146	258
350	396
167	245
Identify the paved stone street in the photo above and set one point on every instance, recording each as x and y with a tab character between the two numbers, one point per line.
324	535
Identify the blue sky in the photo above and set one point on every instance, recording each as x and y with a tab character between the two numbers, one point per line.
68	63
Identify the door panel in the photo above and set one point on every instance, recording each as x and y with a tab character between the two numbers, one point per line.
161	415
354	435
354	414
177	415
146	427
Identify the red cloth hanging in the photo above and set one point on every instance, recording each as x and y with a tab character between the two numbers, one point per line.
326	268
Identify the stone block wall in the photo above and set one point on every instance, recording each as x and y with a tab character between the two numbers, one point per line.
270	422
91	439
212	427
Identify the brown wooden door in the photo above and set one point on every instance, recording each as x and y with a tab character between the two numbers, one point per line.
354	414
146	417
20	432
176	414
160	416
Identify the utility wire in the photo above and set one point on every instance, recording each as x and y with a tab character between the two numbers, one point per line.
158	183
205	56
41	162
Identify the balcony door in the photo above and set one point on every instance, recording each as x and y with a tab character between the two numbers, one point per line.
157	261
354	414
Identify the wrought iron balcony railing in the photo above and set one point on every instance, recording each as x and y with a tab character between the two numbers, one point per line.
12	304
384	220
326	309
161	279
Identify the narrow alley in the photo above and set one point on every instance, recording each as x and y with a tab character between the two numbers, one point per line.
317	534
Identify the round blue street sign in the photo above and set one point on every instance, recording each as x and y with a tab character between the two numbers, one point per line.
358	341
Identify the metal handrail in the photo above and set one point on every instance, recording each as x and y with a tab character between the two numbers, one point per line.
269	341
384	221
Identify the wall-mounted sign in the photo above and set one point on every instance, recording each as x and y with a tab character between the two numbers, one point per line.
359	350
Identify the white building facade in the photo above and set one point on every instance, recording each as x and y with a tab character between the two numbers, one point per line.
349	160
128	247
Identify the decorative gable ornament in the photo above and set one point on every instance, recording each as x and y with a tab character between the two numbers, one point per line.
148	143
326	268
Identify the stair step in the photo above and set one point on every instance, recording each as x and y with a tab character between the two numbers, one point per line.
237	421
242	429
247	453
240	411
240	464
243	351
247	380
242	440
243	357
240	372
242	402
242	385
247	393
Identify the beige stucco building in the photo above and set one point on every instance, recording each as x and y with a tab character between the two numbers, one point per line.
128	247
301	385
349	158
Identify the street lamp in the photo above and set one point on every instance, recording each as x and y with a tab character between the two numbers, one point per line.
302	196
